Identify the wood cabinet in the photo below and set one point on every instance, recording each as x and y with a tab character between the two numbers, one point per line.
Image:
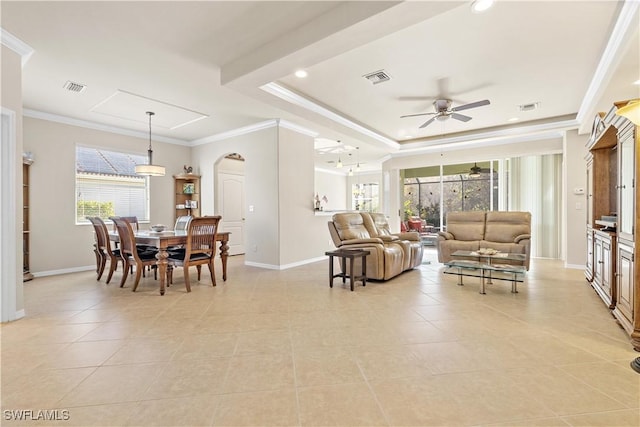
613	210
187	194
588	271
604	244
624	310
26	244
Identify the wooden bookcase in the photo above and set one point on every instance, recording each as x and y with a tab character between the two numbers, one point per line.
187	194
26	274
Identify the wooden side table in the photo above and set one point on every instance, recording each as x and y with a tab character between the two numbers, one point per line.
352	254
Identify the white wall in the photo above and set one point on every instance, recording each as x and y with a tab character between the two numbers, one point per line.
57	243
575	209
259	150
11	100
334	186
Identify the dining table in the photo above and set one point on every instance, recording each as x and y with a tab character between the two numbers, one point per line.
164	239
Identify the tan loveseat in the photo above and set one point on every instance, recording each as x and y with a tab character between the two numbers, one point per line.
469	231
391	253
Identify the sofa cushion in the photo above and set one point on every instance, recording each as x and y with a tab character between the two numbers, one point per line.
350	226
504	227
466	225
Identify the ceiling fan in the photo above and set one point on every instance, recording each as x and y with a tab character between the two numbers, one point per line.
443	111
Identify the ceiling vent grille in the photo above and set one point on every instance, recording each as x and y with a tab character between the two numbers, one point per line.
377	77
74	87
529	107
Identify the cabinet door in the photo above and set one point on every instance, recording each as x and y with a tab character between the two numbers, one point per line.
597	260
625	282
589	265
626	150
607	267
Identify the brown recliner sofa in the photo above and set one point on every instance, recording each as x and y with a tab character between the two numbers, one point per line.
469	231
390	253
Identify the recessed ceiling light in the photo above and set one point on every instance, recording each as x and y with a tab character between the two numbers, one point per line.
301	74
513	119
637	82
408	136
479	6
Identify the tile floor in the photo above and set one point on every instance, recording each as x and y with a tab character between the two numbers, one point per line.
282	348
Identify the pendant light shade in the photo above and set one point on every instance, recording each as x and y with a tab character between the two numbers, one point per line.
150	169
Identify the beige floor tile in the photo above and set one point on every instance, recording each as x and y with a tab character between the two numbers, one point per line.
323	366
625	418
142	350
113	384
186	411
263	341
189	378
259	372
84	354
42	389
339	405
265	408
201	346
619	383
561	392
282	348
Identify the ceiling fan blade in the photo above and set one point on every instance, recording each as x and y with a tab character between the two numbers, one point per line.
414	115
471	105
428	122
460	117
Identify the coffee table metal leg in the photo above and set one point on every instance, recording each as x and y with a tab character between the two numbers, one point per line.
460	277
514	284
482	278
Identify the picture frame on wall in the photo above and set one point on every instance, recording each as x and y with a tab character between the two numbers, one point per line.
188	188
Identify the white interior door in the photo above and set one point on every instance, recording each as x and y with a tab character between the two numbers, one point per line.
231	189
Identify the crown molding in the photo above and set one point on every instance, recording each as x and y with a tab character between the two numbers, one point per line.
34	114
16	45
297	128
235	132
293	98
626	22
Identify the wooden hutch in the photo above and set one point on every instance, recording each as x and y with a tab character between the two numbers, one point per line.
613	210
187	194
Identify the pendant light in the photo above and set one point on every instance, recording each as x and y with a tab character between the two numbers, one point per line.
150	169
339	164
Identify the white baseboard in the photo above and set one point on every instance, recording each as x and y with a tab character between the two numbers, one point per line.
63	271
575	266
285	266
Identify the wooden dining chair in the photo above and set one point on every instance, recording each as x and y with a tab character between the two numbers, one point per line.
131	254
103	249
199	250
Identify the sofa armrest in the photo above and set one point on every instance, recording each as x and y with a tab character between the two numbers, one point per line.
408	235
522	237
360	241
386	238
446	235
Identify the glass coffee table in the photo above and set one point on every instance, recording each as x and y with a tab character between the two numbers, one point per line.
487	267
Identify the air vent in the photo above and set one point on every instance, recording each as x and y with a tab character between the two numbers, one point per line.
377	77
529	107
74	87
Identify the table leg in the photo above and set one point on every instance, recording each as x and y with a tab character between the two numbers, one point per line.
331	271
514	284
224	254
482	282
364	271
460	277
351	271
162	263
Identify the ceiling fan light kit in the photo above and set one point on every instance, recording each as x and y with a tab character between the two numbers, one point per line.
444	111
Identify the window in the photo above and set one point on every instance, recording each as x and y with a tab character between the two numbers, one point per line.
365	197
107	185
